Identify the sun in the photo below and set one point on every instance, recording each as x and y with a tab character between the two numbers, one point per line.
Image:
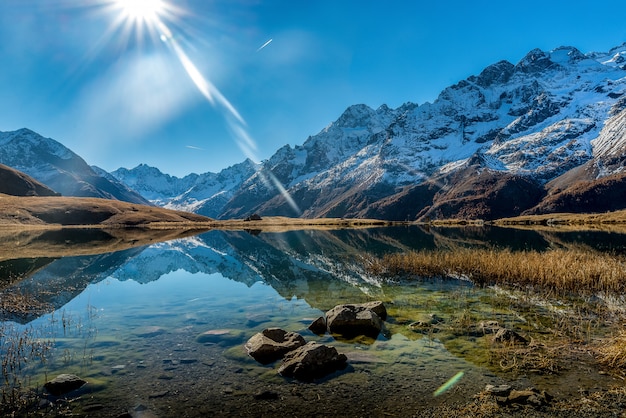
141	10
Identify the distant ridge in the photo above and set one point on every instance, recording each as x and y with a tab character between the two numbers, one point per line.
60	169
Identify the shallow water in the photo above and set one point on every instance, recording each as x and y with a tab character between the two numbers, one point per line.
131	323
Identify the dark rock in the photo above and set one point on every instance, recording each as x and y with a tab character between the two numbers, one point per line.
318	326
63	384
312	361
498	73
253	217
272	343
378	307
508	336
354	320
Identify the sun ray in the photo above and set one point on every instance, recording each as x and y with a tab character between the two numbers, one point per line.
152	19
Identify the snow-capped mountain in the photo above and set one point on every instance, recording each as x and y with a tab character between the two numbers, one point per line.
524	124
57	167
516	138
205	194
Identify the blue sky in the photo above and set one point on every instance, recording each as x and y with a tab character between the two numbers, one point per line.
80	72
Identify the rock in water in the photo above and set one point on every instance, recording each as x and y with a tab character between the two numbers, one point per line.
354	320
318	326
63	383
312	361
271	344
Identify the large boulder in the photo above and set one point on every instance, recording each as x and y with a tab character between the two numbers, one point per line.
354	320
312	361
271	344
63	383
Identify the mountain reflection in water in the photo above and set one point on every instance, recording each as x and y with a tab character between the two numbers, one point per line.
292	262
143	307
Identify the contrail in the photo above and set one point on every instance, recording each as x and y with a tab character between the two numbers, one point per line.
265	44
194	147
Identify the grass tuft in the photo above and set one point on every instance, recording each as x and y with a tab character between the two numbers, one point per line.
558	270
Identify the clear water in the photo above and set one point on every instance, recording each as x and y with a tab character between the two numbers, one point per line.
131	323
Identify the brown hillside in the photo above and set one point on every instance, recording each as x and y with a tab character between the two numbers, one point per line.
72	211
586	196
485	194
16	183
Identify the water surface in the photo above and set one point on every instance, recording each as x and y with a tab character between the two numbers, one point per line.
131	322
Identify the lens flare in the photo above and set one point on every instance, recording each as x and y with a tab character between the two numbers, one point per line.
449	384
154	17
146	10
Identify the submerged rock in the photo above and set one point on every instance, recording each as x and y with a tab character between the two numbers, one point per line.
64	383
312	361
216	336
509	336
271	344
430	324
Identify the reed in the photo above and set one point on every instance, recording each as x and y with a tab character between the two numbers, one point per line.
612	354
556	270
20	350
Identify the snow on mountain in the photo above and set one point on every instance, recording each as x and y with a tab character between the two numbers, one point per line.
536	118
511	127
205	194
54	165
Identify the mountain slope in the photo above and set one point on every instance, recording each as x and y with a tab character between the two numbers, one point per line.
89	211
16	183
58	167
527	124
515	138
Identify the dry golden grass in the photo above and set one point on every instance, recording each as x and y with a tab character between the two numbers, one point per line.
557	270
281	224
612	353
608	218
79	211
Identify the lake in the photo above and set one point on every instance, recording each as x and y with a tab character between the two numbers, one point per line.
159	329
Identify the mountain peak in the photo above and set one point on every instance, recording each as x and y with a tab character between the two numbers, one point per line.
566	55
534	62
499	72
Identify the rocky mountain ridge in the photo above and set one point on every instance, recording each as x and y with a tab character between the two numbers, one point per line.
59	168
495	144
548	132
